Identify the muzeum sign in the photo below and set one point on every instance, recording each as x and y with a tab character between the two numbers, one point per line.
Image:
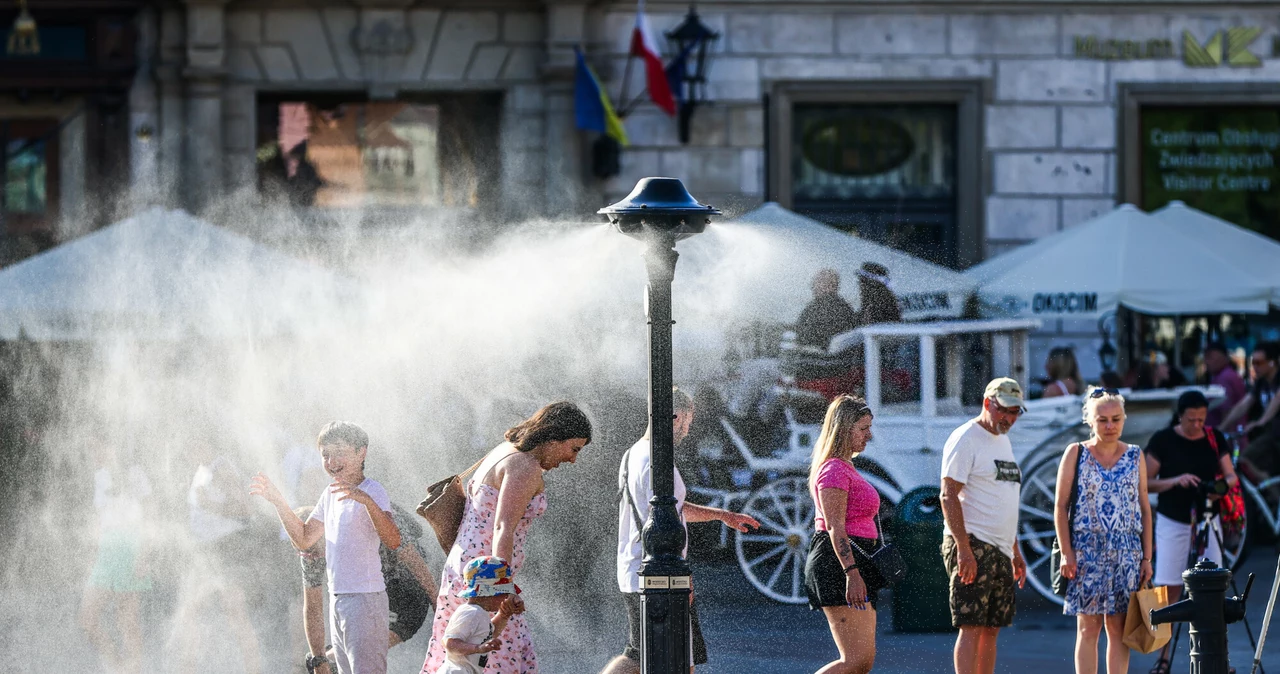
1236	47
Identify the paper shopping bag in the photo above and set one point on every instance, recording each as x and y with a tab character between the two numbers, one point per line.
1138	632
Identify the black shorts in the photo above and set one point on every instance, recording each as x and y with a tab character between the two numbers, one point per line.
824	577
634	637
410	605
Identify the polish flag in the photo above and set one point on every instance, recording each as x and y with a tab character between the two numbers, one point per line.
646	47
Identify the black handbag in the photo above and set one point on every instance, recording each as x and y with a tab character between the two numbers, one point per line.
1056	579
886	558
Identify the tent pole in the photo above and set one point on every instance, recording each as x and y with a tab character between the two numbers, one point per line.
1177	341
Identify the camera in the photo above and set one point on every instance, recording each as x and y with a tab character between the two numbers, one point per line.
1218	487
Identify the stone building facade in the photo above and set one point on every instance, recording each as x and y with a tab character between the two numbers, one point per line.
955	129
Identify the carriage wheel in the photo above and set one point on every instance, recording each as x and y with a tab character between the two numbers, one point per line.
773	556
1035	524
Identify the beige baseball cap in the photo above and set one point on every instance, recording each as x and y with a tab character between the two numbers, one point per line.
1006	392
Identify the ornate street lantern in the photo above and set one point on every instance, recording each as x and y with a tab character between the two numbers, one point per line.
24	40
687	71
659	212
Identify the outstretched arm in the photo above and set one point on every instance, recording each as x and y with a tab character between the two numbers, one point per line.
700	513
303	535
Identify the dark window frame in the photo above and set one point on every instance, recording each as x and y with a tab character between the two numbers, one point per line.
972	176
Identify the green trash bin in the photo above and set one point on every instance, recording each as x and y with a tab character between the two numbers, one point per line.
920	601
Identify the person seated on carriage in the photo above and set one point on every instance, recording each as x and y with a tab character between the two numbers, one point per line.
827	314
832	374
1064	373
879	303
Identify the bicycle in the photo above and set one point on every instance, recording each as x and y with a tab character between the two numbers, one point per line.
1259	510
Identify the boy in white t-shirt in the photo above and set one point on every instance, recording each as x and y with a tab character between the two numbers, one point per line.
353	516
472	632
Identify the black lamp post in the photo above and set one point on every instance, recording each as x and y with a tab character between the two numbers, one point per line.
689	42
659	212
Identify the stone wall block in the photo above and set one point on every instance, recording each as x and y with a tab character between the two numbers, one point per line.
1022	126
704	170
733	79
1051	81
1088	127
752	182
277	63
1018	218
522	64
1004	35
524	98
206	32
241	64
647	126
488	62
898	35
632	166
1076	211
523	27
758	33
341	24
422	26
307	39
1051	173
460	33
244	27
709	125
746	126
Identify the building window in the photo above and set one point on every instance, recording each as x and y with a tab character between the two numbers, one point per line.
884	172
1218	159
353	154
28	151
387	158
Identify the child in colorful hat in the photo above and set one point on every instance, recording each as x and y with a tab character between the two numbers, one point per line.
473	633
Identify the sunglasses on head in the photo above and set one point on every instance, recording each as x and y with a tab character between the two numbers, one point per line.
1099	392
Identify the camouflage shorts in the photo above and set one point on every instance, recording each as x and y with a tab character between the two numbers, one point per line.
989	600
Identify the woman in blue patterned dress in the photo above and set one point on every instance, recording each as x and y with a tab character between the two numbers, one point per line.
1106	538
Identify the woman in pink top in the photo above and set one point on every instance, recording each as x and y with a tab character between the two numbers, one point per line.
837	575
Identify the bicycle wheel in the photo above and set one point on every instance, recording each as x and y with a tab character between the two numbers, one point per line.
1035	524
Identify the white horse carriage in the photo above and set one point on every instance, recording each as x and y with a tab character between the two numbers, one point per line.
922	380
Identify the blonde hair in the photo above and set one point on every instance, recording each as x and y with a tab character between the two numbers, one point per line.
842	414
1091	403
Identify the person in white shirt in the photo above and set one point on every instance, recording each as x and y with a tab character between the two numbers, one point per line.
353	516
981	483
475	629
635	490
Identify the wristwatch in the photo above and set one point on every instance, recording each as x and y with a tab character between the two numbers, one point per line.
314	661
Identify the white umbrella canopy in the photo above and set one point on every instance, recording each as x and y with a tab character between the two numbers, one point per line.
1125	257
163	274
767	259
1250	252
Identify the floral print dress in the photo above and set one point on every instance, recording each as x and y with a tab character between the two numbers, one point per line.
1106	535
475	539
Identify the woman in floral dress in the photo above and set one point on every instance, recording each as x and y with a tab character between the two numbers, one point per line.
1106	544
504	497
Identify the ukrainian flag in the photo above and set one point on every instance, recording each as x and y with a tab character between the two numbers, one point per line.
591	105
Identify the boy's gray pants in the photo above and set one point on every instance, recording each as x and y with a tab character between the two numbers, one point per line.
360	626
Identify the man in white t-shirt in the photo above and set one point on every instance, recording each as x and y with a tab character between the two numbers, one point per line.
981	483
636	489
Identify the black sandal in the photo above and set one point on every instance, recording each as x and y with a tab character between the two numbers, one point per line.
1161	666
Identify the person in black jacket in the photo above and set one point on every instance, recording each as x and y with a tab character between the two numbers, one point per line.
879	304
827	315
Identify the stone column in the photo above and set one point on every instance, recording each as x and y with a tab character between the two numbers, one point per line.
565	169
169	60
144	113
205	75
